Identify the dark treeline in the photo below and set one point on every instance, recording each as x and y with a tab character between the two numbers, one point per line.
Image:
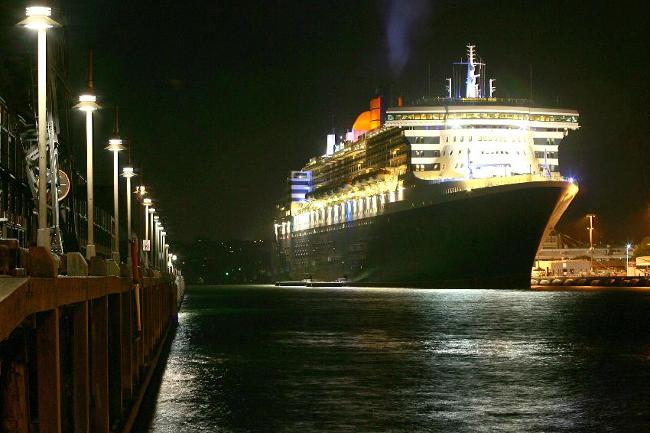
226	261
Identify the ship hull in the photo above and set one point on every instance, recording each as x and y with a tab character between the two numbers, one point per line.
483	238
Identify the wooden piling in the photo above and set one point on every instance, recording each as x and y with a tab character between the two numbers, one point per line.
99	365
126	332
115	357
14	406
81	332
48	370
80	379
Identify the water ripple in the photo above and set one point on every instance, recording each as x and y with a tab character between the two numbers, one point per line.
264	359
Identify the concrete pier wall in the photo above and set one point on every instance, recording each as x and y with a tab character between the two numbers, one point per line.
72	355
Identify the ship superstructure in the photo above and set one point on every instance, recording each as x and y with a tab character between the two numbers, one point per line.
414	164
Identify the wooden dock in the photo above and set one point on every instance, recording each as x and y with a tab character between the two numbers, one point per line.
72	358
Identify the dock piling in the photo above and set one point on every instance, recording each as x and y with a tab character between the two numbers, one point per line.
77	340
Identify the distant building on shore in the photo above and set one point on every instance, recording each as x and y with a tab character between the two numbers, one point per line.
561	255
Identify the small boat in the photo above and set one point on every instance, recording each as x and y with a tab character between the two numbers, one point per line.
308	282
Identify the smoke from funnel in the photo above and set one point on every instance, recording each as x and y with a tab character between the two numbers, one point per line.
405	19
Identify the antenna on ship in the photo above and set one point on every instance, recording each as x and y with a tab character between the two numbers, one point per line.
429	79
492	87
471	86
530	70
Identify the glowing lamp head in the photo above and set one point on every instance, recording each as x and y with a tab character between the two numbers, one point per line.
174	257
147	202
38	18
166	245
128	172
38	11
571	180
141	190
152	210
115	145
628	247
87	103
156	218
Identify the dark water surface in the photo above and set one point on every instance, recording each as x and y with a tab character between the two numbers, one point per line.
267	359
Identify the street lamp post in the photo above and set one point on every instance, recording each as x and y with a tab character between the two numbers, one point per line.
173	260
115	146
128	173
154	235
146	202
38	18
161	247
159	250
152	211
88	104
627	259
140	191
591	240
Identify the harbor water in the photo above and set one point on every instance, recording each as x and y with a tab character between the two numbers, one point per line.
271	359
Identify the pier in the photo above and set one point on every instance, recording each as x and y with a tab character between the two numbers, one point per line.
593	281
77	353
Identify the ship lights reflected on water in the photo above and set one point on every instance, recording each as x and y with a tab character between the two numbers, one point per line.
366	358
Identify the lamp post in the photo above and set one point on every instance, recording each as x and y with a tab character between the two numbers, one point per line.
152	211
115	146
128	173
146	202
591	240
140	191
159	245
627	259
88	104
38	18
154	249
161	249
163	234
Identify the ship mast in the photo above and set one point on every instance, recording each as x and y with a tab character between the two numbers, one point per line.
475	82
471	86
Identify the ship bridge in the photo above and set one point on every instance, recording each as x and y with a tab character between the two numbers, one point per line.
481	135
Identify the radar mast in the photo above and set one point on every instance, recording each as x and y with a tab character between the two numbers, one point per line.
471	86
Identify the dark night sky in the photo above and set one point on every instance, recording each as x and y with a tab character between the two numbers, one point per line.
220	99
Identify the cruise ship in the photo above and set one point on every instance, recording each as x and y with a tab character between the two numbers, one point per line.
453	192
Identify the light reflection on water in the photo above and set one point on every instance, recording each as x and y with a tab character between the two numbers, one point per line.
249	359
